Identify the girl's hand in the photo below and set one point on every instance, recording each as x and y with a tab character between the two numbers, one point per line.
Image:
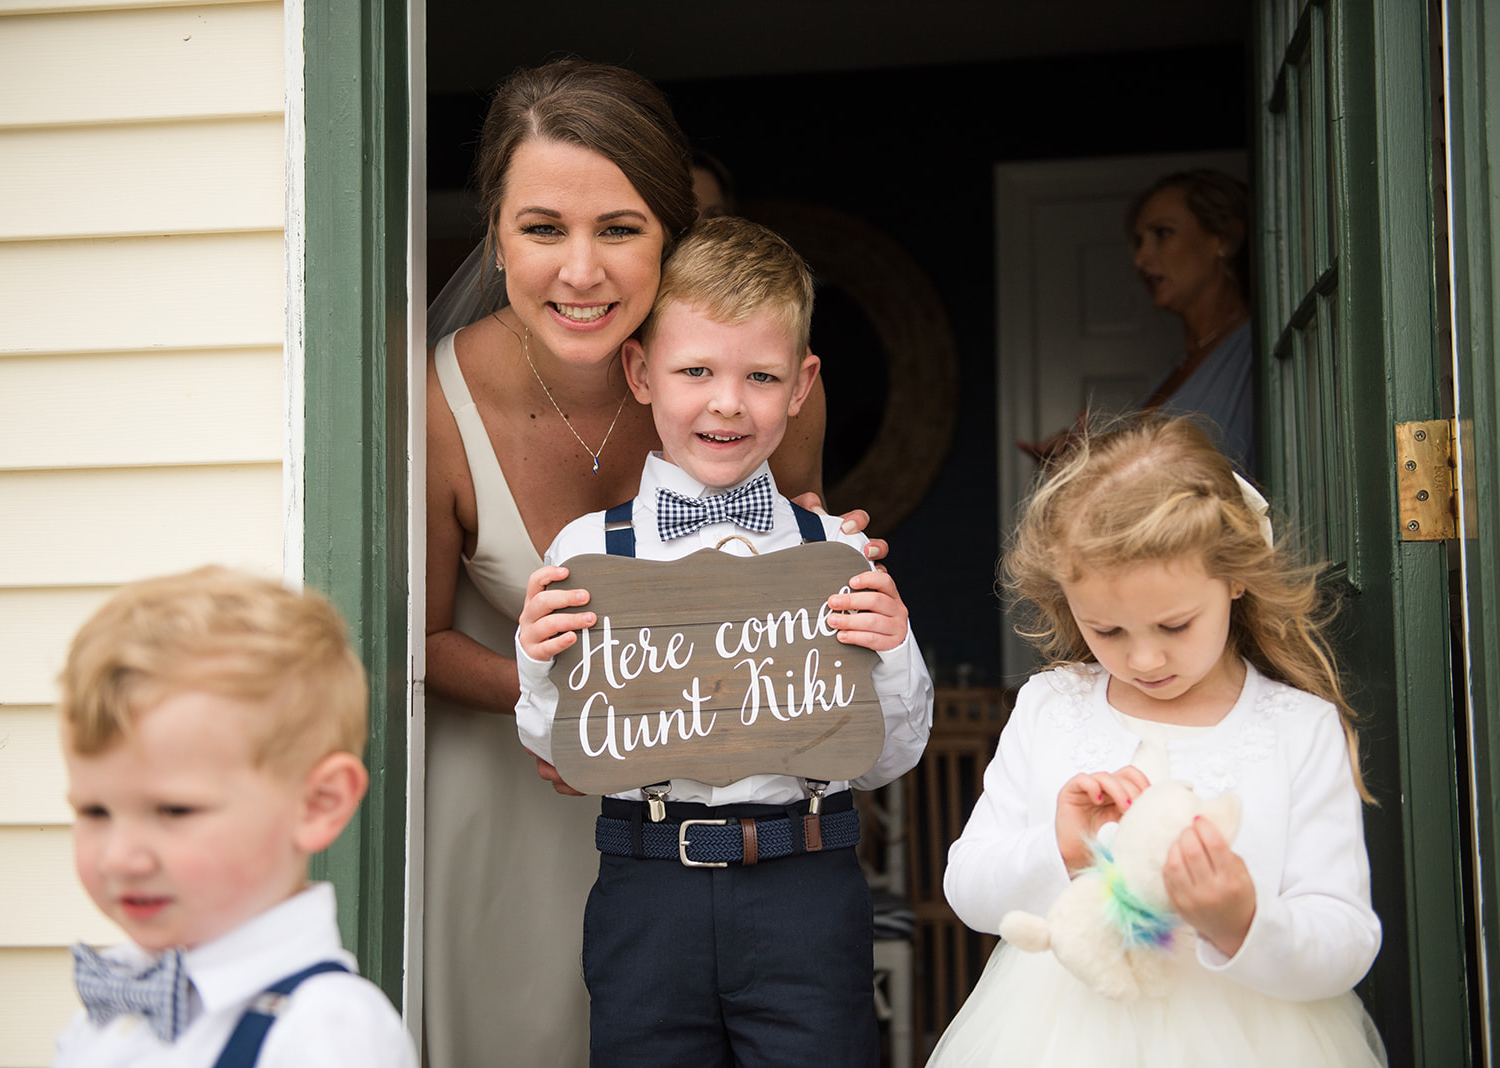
546	628
1089	801
1210	886
871	614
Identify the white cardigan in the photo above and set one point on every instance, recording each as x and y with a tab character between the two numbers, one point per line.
1283	751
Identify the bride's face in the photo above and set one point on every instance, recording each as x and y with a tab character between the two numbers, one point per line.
581	250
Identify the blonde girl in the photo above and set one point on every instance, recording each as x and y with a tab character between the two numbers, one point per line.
1184	645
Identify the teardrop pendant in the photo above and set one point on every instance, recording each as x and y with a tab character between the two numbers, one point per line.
526	350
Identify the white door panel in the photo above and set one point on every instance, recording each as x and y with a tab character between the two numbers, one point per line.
1076	329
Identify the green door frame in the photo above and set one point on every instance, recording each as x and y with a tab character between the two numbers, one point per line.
356	416
1362	67
1406	386
1473	90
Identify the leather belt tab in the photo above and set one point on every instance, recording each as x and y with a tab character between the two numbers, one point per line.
747	835
812	831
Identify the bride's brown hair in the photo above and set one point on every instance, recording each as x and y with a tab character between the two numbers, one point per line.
609	110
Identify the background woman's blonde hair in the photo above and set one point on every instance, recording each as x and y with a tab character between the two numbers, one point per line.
731	268
227	633
1150	489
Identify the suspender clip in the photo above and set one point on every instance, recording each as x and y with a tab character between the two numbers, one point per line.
656	800
815	791
812	823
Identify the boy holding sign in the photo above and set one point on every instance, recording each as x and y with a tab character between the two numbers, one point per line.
762	955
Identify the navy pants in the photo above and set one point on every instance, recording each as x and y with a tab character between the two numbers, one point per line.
769	965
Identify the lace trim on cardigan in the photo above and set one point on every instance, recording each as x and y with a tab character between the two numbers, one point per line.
1219	770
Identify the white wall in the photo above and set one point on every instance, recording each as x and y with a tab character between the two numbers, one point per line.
141	278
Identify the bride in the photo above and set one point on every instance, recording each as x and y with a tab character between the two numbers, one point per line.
585	184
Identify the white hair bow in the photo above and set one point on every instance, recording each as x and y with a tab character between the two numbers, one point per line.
1258	507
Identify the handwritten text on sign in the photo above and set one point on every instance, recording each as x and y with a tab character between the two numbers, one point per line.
712	668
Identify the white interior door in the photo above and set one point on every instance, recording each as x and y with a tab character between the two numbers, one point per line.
1076	329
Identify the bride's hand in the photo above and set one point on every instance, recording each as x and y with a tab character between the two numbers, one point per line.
549	774
854	522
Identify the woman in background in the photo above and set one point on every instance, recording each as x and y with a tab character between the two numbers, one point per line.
713	185
1189	234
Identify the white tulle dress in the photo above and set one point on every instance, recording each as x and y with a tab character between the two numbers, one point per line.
1029	1011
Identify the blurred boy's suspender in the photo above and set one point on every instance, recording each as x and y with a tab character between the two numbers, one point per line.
243	1048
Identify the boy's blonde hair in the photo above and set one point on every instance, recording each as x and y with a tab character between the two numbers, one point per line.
1151	489
730	268
226	633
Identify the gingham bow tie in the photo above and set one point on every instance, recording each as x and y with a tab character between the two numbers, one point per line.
158	992
750	506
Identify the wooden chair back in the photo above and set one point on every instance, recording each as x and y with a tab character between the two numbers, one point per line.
941	792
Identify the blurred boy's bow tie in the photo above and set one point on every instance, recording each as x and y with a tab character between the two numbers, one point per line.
157	992
750	506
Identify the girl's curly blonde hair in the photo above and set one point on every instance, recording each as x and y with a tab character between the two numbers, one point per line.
1150	489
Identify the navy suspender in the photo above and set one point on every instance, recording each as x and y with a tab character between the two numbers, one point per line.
809	523
243	1049
619	534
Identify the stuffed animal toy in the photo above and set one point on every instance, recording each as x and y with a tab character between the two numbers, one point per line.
1113	927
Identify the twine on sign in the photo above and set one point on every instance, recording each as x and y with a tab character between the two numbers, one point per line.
738	537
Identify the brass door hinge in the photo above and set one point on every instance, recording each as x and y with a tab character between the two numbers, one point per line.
1426	500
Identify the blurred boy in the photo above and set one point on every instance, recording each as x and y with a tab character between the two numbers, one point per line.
211	727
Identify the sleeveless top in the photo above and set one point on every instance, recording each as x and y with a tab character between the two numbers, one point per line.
508	864
504	557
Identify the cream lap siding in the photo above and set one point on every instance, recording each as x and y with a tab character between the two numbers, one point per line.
141	395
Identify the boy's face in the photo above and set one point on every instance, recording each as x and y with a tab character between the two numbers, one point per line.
178	838
720	393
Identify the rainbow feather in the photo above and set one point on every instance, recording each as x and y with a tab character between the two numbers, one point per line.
1141	926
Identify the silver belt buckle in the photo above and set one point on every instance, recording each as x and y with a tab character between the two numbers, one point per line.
682	844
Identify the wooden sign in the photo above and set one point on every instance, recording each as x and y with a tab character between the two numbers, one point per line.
712	668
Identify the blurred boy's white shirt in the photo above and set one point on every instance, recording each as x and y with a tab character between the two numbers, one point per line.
333	1019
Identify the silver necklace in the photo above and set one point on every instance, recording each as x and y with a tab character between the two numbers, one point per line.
1204	342
526	350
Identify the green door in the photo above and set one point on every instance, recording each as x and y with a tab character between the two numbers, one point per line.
1473	101
1349	323
355	342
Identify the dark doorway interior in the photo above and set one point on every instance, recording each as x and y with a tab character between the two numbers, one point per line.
909	150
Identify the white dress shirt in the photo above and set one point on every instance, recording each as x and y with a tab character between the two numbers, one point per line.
1283	751
900	678
332	1019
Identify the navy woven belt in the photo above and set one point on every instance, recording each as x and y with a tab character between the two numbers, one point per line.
717	843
